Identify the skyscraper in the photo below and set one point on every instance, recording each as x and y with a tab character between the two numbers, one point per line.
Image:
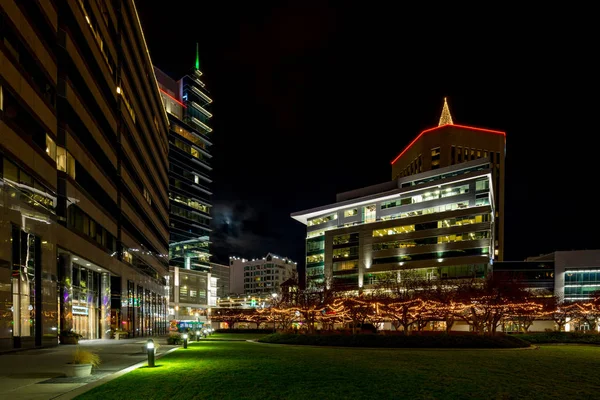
83	174
448	144
186	102
193	288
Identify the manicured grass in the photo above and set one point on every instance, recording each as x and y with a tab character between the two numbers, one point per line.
244	370
236	336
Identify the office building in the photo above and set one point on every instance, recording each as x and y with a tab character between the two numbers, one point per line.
221	272
83	179
192	294
448	144
260	276
436	225
186	103
569	275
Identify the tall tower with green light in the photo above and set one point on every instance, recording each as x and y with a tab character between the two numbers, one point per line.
187	102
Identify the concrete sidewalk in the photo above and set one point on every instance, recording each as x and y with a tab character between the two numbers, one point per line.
39	373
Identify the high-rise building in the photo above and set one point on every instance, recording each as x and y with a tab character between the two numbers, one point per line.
449	144
83	174
186	102
435	225
260	276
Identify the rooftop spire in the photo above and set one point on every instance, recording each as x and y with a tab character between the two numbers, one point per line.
446	118
197	57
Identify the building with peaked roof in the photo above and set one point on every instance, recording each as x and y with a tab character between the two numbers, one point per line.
449	144
260	276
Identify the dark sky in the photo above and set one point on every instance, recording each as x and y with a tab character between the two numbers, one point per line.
315	98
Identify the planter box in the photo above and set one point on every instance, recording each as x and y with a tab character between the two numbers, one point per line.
69	340
78	370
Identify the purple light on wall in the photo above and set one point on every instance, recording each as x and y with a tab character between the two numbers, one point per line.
66	295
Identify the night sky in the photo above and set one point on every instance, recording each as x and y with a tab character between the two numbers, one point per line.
311	99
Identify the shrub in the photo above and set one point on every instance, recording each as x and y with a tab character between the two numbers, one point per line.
71	333
440	340
269	330
175	338
85	357
560	337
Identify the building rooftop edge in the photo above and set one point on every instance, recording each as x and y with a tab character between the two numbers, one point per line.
445	126
302	216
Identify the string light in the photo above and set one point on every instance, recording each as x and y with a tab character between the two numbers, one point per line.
482	312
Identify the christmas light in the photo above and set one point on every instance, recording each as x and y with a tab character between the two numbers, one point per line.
445	118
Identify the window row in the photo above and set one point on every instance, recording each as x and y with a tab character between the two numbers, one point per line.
427	196
322	220
459	237
431	210
191	215
466	220
345	252
190	202
345	238
34	192
80	221
190	150
188	135
439	255
345	265
96	33
315	258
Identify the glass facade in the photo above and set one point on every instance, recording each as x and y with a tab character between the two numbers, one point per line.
437	228
581	283
189	170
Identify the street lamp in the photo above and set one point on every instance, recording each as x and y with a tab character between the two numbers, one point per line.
151	352
185	338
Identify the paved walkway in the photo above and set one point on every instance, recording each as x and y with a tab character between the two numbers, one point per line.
39	374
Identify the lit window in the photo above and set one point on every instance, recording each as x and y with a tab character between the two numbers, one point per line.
65	161
50	147
196	179
350	213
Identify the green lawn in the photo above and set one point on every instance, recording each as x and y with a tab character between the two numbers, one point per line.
236	336
244	370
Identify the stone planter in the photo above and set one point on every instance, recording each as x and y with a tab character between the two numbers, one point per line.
69	340
78	370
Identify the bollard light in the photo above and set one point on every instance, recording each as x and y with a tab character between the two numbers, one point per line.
185	338
151	352
197	335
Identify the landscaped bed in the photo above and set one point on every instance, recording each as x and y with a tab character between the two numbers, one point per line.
560	337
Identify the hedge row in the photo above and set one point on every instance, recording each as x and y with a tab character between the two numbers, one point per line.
265	331
560	337
411	341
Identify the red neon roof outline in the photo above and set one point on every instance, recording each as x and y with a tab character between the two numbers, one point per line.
438	127
180	103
